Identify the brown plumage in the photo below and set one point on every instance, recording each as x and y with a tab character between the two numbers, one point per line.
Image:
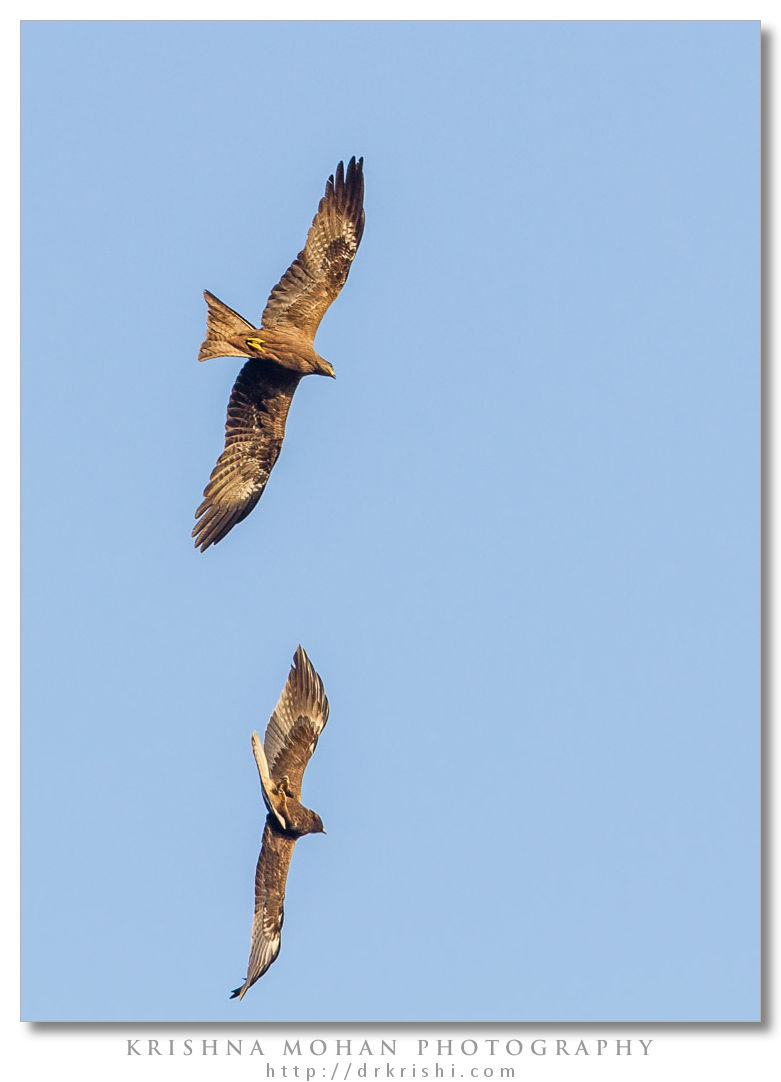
291	737
281	351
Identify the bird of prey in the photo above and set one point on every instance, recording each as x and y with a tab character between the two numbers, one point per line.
291	736
281	352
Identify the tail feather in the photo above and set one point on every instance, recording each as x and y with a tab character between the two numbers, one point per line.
222	324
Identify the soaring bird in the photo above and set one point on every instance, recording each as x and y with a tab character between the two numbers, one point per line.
281	352
291	737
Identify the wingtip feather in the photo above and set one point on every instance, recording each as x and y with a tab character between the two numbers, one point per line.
305	682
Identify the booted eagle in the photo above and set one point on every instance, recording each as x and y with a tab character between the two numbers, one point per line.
281	352
291	736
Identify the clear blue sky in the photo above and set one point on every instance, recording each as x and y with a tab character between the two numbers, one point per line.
518	535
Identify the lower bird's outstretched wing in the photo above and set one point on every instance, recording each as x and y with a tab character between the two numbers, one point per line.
295	726
270	879
254	430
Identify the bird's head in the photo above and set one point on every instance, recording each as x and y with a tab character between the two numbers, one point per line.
323	367
315	824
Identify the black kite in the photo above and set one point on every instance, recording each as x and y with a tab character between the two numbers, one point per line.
281	352
291	736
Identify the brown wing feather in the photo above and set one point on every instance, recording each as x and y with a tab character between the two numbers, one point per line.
254	430
295	726
270	879
316	276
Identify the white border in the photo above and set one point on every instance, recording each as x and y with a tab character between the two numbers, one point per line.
28	1051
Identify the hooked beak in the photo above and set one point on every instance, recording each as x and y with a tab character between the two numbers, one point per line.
327	369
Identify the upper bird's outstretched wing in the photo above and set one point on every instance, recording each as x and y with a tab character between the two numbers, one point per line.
270	879
316	276
254	430
295	726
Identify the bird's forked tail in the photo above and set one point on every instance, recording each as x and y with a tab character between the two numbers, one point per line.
222	324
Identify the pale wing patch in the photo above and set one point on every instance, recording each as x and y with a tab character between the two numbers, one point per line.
266	784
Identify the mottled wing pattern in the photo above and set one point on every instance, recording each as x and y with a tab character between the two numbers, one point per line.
254	430
314	279
270	879
295	726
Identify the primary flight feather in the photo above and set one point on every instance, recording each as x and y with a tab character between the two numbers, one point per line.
281	353
291	737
